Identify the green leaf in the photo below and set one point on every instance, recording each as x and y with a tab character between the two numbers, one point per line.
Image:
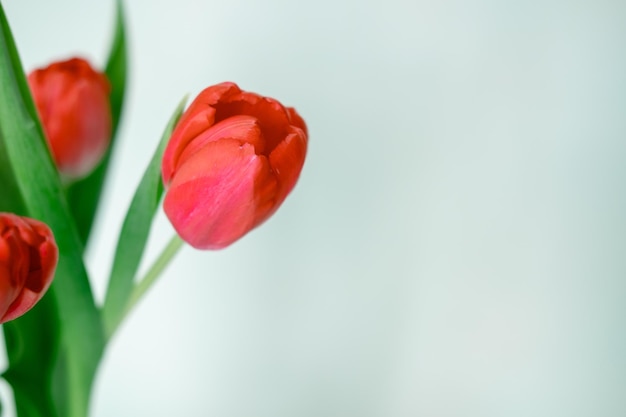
38	182
31	368
10	197
134	234
117	66
83	196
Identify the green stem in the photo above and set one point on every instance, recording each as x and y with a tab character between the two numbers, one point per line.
154	272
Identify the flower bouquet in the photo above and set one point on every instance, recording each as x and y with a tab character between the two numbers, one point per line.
222	167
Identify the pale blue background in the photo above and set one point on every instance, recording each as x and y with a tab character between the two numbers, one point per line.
456	245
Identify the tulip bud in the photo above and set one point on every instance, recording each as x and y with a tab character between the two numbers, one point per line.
230	163
73	103
28	258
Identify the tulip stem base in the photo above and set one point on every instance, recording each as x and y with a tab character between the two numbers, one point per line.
155	271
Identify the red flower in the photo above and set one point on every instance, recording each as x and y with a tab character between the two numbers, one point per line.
230	163
28	258
73	103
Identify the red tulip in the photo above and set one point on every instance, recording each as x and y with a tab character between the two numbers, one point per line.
230	163
28	258
73	103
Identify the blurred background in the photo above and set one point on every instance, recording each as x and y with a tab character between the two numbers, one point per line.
456	245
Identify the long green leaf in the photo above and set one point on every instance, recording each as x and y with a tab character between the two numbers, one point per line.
84	196
43	198
10	197
31	368
134	234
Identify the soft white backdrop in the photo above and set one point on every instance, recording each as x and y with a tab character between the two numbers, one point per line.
456	245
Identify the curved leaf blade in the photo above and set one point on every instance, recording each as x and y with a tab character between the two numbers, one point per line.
83	196
134	235
38	183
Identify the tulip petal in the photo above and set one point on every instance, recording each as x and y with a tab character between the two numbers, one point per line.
296	120
230	163
39	278
28	258
24	302
244	129
72	100
8	292
199	116
287	161
16	255
272	116
219	194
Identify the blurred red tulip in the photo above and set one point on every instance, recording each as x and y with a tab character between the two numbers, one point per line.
28	258
230	163
73	103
